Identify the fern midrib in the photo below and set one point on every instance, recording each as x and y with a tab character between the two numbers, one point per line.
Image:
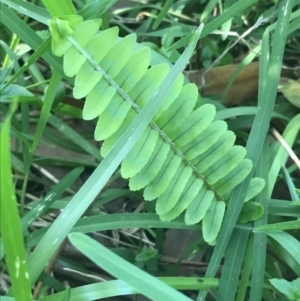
137	109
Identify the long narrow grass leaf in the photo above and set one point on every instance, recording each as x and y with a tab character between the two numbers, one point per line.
232	266
47	105
288	242
113	288
27	34
148	285
11	230
260	239
33	11
290	133
256	138
276	227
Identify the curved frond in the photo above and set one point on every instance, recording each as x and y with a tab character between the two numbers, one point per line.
184	159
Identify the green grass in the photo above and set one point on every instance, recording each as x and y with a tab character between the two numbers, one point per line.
49	198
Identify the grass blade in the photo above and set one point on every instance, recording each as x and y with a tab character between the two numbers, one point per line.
29	9
11	230
217	22
288	242
96	9
291	185
232	267
28	35
290	133
143	282
260	239
47	105
59	8
243	111
71	134
246	272
102	290
256	138
162	13
35	56
45	203
278	226
114	222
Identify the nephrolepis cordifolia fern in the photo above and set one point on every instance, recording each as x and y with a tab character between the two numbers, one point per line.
184	159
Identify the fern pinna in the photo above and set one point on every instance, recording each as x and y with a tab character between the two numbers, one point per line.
184	159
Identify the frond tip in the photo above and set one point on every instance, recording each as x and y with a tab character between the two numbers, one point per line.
184	159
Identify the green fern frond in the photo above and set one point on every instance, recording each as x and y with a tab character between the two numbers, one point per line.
184	159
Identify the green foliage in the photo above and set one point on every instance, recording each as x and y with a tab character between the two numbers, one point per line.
184	158
166	26
289	289
11	230
251	211
121	268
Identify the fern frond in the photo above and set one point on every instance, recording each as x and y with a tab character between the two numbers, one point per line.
184	159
